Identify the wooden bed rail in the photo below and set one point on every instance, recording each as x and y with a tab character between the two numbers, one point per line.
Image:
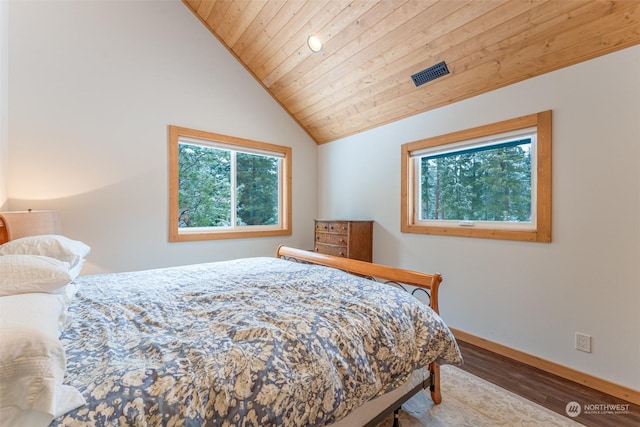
429	282
17	224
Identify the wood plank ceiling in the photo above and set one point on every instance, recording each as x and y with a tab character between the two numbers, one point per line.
362	77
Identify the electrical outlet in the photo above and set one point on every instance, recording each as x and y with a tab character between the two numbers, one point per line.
583	342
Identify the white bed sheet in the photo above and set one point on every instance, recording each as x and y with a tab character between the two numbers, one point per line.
371	409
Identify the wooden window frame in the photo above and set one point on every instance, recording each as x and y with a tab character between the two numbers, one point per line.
175	133
542	232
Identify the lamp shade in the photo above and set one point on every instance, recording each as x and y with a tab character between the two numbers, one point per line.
14	225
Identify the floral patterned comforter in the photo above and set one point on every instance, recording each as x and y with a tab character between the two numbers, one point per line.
249	342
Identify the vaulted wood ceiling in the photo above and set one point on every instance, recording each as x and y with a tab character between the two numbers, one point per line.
362	77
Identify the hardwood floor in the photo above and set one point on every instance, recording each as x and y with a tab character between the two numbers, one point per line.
546	389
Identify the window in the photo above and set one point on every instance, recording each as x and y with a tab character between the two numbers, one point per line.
223	187
493	182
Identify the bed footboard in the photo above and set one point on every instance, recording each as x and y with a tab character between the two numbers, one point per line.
427	283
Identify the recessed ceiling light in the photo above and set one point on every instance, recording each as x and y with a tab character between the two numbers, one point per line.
314	44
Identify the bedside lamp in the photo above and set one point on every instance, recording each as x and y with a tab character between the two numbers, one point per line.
14	225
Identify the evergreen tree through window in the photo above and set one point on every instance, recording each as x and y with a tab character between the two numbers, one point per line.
492	181
227	187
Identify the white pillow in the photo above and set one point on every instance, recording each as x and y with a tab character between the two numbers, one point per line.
74	271
32	369
69	293
52	245
32	360
20	274
46	313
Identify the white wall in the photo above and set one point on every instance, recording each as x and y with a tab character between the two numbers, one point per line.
528	296
4	100
93	86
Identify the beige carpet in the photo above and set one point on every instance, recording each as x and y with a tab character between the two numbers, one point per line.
471	401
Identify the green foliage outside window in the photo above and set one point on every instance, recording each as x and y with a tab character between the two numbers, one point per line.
486	184
205	187
257	190
226	187
492	181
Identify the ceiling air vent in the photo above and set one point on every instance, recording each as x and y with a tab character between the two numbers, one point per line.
430	73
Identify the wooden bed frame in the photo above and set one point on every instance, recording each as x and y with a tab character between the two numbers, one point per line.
390	275
14	225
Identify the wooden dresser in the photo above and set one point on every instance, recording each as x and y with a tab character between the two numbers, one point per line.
349	239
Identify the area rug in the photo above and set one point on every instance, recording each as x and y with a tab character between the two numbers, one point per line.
471	401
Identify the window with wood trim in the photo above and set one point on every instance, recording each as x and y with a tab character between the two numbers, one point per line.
223	187
492	182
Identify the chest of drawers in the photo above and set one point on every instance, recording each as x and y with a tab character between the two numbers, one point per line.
348	239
